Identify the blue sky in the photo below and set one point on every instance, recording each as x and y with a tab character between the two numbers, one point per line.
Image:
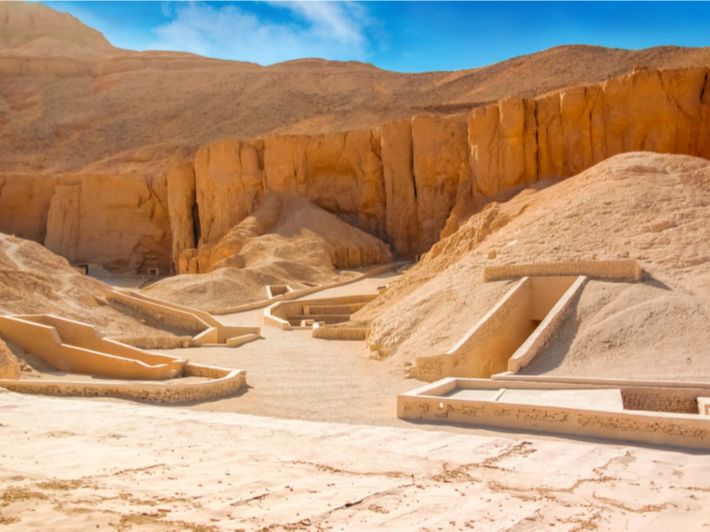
402	36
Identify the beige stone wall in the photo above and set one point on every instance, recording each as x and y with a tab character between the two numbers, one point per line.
75	347
279	314
429	403
553	298
618	270
222	383
339	333
209	329
508	336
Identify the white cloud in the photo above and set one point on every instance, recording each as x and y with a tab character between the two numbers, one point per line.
314	29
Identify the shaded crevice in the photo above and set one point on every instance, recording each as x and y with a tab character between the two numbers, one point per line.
196	231
537	142
702	89
411	165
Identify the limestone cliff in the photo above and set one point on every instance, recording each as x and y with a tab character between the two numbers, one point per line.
118	221
516	140
409	180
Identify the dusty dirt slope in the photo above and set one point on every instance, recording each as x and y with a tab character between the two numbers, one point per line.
287	240
69	100
33	280
640	205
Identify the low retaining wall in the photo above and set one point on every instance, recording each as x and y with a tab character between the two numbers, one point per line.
296	294
275	290
430	403
72	346
516	328
223	384
236	341
278	314
340	333
619	270
212	330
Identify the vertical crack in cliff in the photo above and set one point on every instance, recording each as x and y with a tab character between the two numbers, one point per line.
411	163
196	232
590	110
702	88
537	141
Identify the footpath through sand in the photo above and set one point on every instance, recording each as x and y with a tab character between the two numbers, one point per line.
292	375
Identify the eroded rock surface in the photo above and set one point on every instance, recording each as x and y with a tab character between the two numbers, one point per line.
409	180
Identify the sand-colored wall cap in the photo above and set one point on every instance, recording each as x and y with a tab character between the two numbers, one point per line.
619	270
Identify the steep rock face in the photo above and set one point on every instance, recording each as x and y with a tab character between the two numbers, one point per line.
228	183
118	221
411	181
181	203
501	138
63	220
24	202
440	157
516	141
401	220
340	172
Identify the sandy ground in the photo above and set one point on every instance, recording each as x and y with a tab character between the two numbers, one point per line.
84	464
292	375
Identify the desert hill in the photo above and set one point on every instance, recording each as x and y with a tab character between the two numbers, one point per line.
645	206
70	101
33	29
33	280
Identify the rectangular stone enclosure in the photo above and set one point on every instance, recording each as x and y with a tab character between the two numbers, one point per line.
514	329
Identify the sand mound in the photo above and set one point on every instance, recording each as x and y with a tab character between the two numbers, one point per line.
292	218
287	240
33	280
640	205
